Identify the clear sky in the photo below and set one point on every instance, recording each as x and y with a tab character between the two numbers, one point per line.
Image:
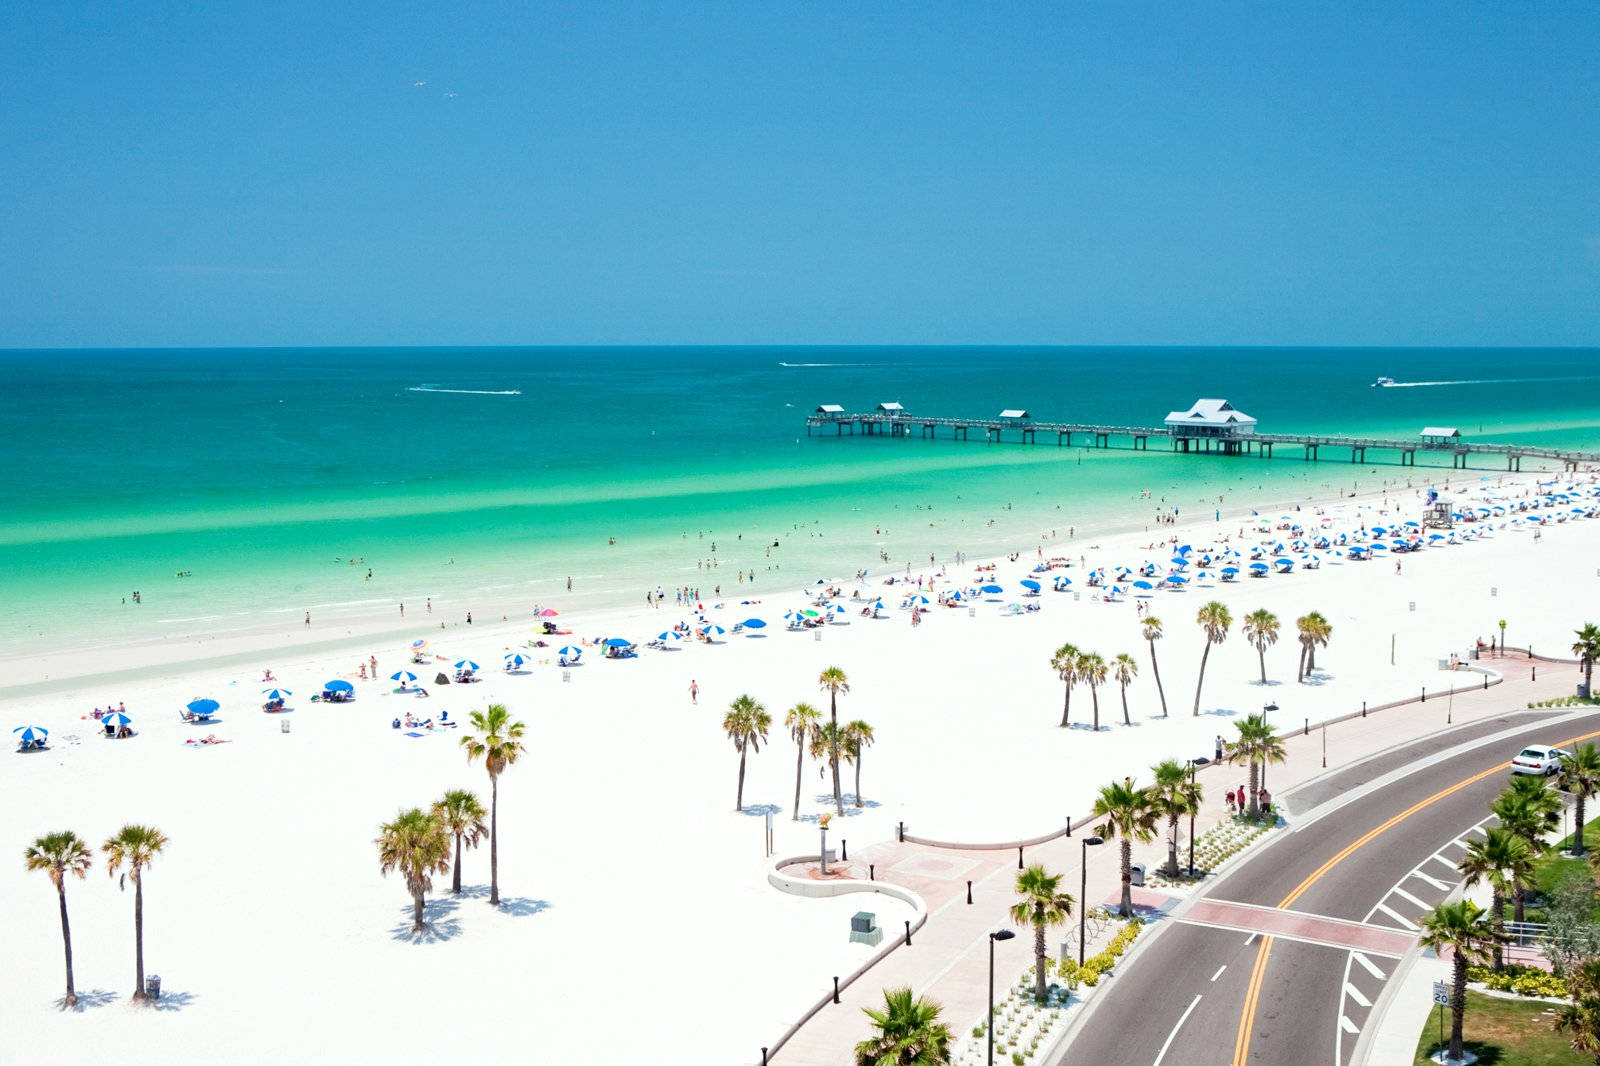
746	173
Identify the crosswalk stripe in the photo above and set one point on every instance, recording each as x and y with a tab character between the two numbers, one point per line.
1405	923
1348	1026
1440	858
1403	894
1434	881
1366	964
1355	993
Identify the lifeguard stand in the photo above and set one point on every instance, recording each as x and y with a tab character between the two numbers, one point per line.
1439	513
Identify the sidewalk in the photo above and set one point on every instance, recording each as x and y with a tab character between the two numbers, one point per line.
948	959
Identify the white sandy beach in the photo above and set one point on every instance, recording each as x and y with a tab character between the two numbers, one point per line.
638	924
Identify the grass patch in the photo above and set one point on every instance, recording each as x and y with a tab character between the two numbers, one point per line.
1504	1032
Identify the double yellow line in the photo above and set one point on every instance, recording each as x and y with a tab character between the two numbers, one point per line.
1247	1019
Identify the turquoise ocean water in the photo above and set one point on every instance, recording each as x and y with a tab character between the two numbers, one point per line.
258	474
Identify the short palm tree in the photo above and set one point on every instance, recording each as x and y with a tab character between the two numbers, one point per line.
1128	816
1174	796
1214	620
1528	810
1580	1018
1124	669
136	847
462	815
1152	633
1256	745
1092	668
1065	663
746	724
497	740
1587	648
857	738
1460	929
1041	905
58	855
1302	626
417	844
907	1032
1315	631
835	683
1502	860
801	721
1260	628
1580	778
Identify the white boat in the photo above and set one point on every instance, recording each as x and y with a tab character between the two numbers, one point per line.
1383	382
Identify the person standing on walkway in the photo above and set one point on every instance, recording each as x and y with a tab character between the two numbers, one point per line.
694	692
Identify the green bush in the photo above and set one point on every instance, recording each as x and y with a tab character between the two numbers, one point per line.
1096	966
1519	980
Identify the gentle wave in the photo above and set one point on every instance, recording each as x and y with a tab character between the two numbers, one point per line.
466	392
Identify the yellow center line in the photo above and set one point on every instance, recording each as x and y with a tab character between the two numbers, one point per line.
1252	994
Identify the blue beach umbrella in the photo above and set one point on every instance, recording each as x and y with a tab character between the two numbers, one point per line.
403	675
204	707
754	623
1377	547
466	664
1031	584
1177	579
623	642
339	684
671	634
31	733
115	718
515	659
1260	566
276	693
1143	585
990	590
418	645
1179	561
1230	569
569	652
921	600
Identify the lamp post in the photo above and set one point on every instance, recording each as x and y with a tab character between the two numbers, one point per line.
1264	709
988	1021
1192	806
1083	887
822	859
1502	636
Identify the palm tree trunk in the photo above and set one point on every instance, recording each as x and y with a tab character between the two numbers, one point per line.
66	940
799	765
1497	906
1125	720
1311	658
859	753
1519	894
1155	668
1127	877
1577	826
1066	707
1202	679
1261	652
494	840
1300	670
417	924
833	751
1094	693
1255	792
455	880
739	802
1039	992
1458	1004
1172	846
138	935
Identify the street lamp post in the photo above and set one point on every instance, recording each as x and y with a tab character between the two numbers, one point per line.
988	1021
1083	888
1192	805
1264	709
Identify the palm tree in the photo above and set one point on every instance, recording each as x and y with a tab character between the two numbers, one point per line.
1174	795
1152	633
746	725
1092	668
1257	745
857	738
1579	777
1303	626
1587	649
801	721
1581	1017
1125	669
908	1033
136	847
1065	663
417	843
1527	810
1459	928
1502	860
1041	905
498	742
60	854
1260	627
1214	619
1128	816
462	816
834	682
1316	632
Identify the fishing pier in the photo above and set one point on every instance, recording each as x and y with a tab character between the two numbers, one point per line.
1209	426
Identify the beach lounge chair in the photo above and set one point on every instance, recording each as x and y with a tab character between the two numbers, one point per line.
186	716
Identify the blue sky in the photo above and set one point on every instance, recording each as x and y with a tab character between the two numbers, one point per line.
1065	172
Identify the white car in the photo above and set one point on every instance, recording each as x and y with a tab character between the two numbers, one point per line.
1538	759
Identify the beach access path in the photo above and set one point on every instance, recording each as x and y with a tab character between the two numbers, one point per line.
948	959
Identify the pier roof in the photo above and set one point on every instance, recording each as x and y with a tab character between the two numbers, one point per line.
1440	431
1015	413
1212	414
891	408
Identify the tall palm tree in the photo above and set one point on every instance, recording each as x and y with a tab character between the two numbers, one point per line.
1125	669
1502	860
1303	626
1041	905
1065	663
1528	810
1128	816
835	683
1152	633
136	847
1318	632
857	738
1587	649
801	721
1459	928
462	815
60	854
1214	619
1092	668
908	1032
1257	745
1260	627
1174	795
1579	777
1581	1017
746	725
498	742
417	843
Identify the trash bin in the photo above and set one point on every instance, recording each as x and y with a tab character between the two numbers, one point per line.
152	985
1583	691
1137	880
284	725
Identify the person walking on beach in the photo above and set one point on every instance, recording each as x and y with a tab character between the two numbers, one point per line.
469	618
694	692
308	619
569	584
430	604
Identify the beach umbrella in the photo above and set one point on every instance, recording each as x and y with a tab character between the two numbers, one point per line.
1230	569
1185	549
1143	585
1063	581
204	707
707	631
754	623
515	659
671	634
31	733
1414	525
1201	574
1177	579
1179	561
276	693
990	590
839	608
548	612
809	613
339	684
418	645
918	600
1030	584
1435	536
403	675
569	652
115	718
466	664
1259	566
1377	547
619	642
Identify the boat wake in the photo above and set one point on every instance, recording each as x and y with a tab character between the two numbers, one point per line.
466	392
793	365
1483	381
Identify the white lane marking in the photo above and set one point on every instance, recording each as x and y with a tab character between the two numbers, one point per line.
1434	881
1174	1034
1251	939
1477	829
1405	923
1338	1034
1355	993
1403	894
1366	964
1348	1026
1218	974
1440	858
1458	842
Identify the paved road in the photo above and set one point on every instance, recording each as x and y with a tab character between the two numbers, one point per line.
1201	995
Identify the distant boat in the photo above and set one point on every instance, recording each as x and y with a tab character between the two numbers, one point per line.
1383	383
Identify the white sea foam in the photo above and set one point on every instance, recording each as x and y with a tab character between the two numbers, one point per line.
466	392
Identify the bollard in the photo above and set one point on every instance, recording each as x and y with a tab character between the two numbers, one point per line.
844	850
1019	858
872	871
1305	730
763	1057
836	990
969	893
1424	695
900	833
1486	682
1535	676
908	932
1363	708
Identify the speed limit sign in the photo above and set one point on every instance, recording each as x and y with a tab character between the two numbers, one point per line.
1441	993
